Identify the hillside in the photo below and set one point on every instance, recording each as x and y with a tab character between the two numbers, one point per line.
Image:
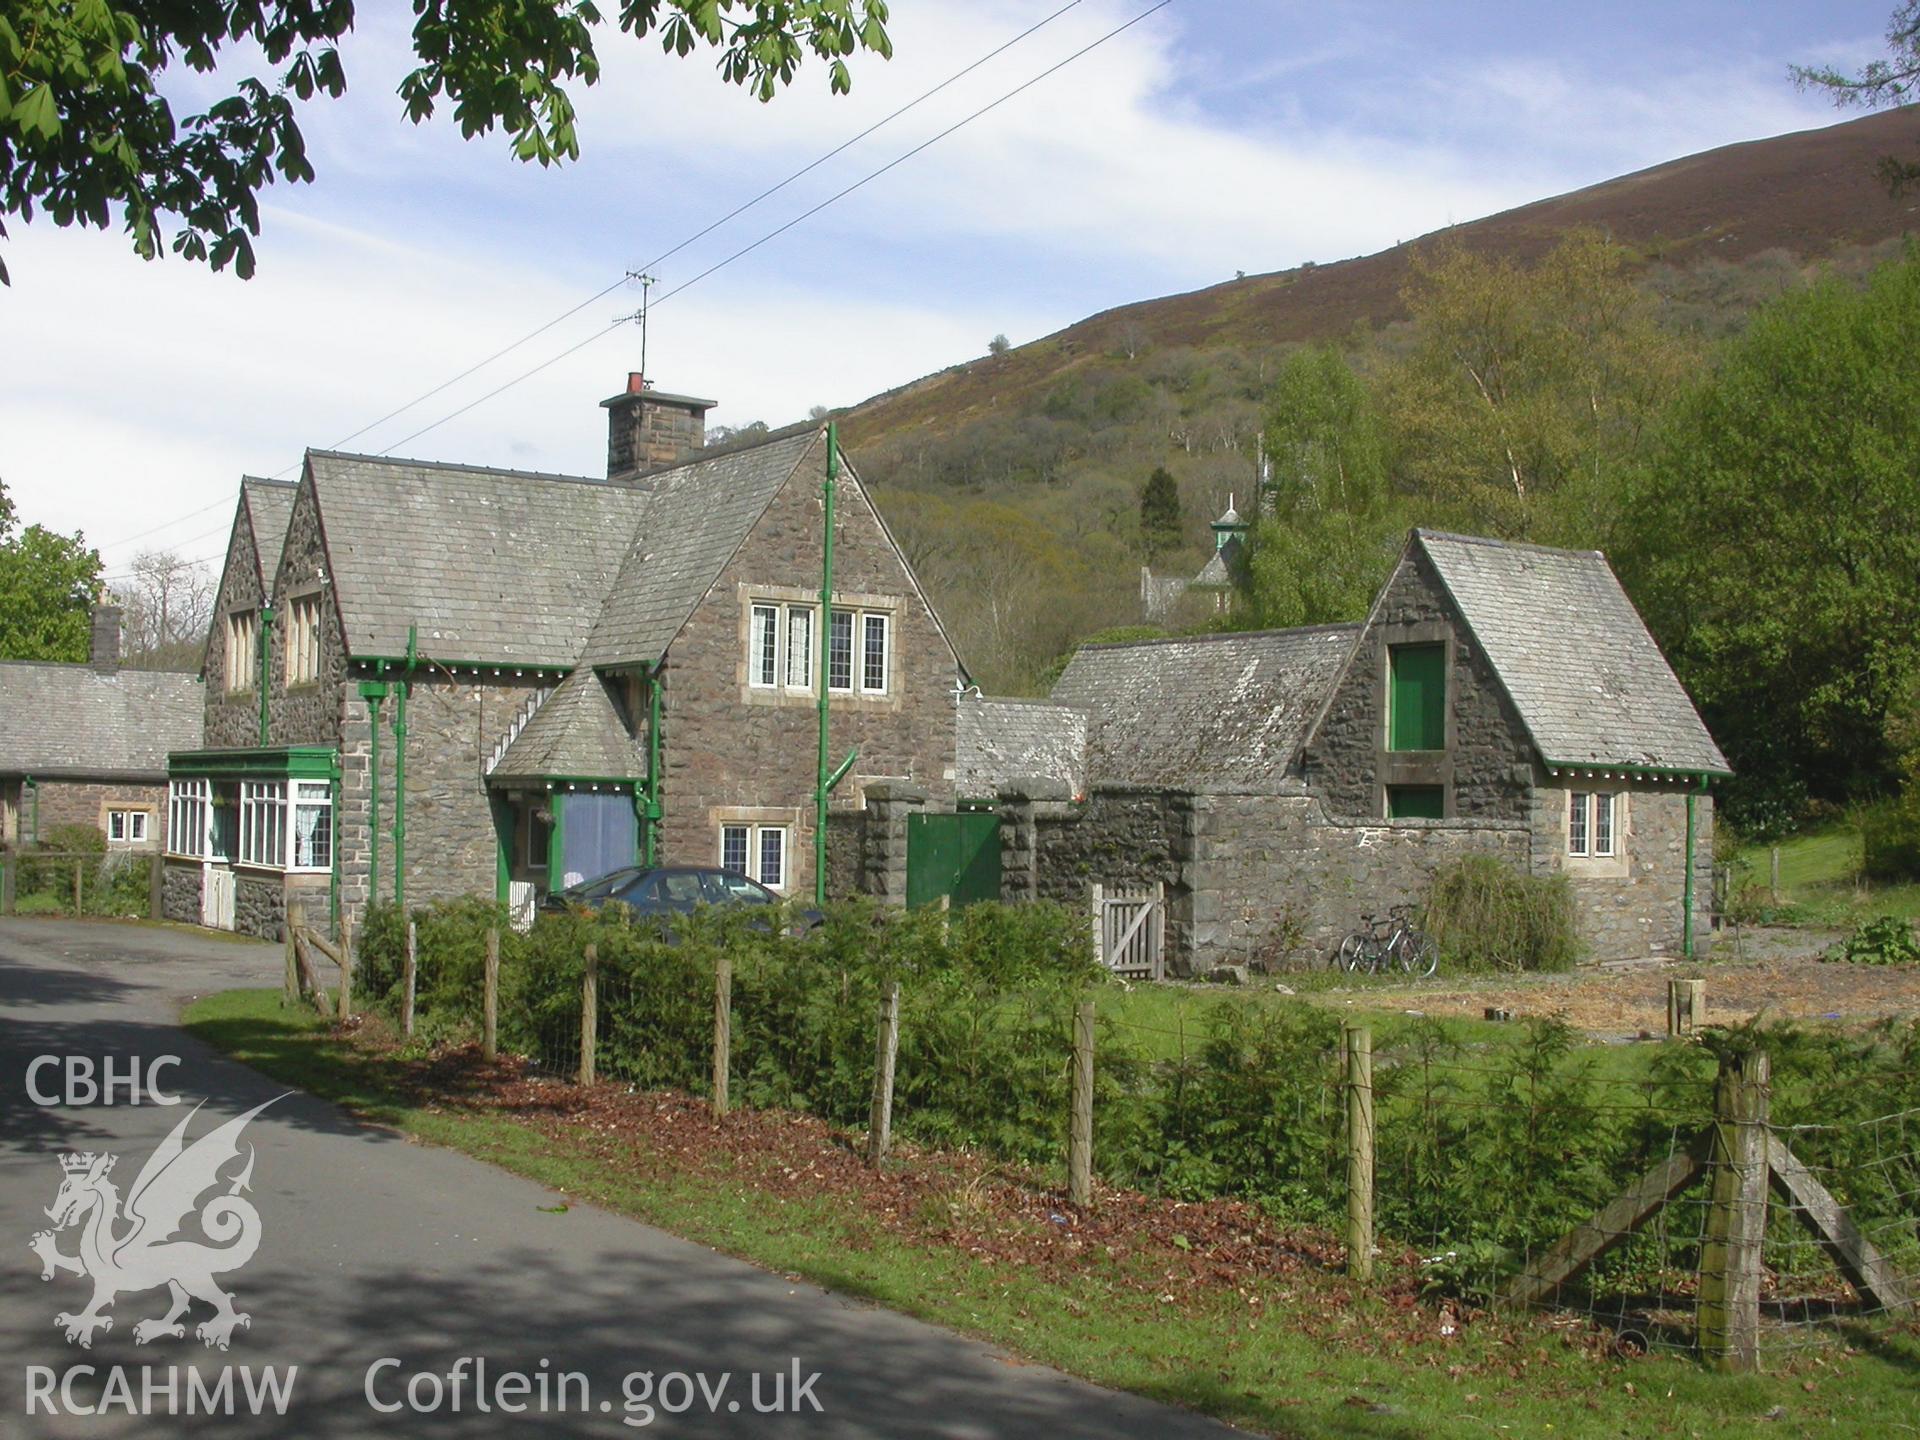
1808	194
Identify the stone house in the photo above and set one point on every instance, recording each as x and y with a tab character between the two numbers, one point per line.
458	680
1499	699
86	744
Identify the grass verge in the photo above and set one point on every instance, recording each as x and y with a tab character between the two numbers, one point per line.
1210	1307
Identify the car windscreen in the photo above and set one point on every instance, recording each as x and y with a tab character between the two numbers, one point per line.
602	886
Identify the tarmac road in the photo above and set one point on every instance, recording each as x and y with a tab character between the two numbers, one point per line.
374	1248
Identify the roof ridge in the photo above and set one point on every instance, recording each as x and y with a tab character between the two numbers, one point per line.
1211	637
454	465
269	480
1489	542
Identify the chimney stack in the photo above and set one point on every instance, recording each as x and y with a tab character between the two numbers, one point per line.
104	652
649	430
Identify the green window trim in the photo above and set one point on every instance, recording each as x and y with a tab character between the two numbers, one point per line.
1417	697
1416	802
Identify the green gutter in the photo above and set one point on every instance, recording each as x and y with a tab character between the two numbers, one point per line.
266	633
1652	772
373	692
825	641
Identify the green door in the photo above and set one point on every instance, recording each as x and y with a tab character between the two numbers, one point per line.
955	855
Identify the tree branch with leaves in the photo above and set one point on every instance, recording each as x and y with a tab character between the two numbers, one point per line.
87	132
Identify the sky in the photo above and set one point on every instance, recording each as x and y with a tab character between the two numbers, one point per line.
1212	137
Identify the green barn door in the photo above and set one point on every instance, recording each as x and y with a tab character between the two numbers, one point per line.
956	855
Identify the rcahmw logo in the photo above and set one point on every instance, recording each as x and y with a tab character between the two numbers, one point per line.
130	1247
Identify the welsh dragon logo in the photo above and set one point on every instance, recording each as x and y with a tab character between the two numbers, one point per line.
126	1249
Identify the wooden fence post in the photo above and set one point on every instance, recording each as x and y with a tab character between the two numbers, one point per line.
1686	1006
1729	1315
1080	1132
722	1030
886	1049
156	888
490	999
1773	874
346	969
78	908
409	978
292	924
589	1013
1359	1047
9	884
1099	924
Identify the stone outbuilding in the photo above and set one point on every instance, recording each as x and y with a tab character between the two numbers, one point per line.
86	744
453	680
1499	699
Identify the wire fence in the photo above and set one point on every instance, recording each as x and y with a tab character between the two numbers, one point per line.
1681	1196
109	881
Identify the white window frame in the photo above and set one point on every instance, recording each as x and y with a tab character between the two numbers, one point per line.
796	632
303	639
869	619
310	795
763	647
243	640
264	824
190	818
1585	812
852	618
756	837
134	826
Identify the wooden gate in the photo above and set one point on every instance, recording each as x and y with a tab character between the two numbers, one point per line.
953	855
1130	927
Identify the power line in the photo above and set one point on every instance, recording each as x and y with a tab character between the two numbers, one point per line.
167	524
782	229
732	214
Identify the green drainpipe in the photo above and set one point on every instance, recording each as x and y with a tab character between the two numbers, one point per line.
1686	922
333	877
826	647
266	646
373	692
656	780
400	772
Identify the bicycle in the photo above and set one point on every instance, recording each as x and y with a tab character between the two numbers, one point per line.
1384	945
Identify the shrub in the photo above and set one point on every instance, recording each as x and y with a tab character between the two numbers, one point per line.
40	902
1486	915
1884	940
1890	839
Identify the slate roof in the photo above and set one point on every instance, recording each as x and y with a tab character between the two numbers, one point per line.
497	565
269	506
1212	712
1006	740
72	721
695	517
1590	684
577	733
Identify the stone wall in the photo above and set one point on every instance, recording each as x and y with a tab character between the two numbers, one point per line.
233	717
1632	904
84	802
1486	768
259	903
730	746
1276	876
308	713
180	891
846	853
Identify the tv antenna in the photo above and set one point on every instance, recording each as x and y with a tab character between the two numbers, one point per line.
639	317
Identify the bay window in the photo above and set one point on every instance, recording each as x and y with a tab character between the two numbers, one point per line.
188	802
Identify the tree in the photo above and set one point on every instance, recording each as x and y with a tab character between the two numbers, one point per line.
1893	81
1530	392
1772	545
87	128
1331	524
47	585
999	345
1162	527
166	602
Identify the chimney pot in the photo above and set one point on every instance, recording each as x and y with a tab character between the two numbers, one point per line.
636	382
